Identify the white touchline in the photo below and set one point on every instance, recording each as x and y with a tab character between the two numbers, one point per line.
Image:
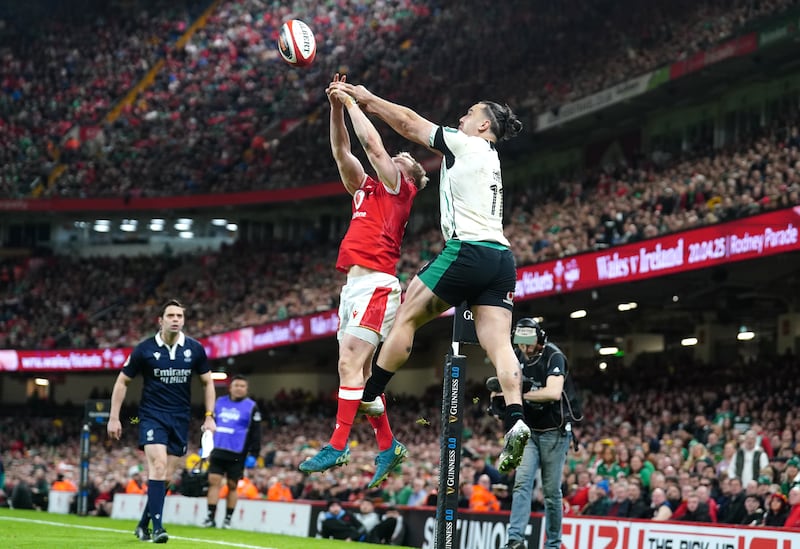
199	540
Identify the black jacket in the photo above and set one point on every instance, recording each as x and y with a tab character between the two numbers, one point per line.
701	514
343	526
776	519
733	512
639	509
550	362
619	509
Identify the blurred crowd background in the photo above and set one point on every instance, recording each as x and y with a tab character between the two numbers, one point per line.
662	431
223	114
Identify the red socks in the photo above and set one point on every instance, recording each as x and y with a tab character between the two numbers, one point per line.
380	425
346	410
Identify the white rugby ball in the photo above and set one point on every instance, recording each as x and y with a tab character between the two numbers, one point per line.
296	43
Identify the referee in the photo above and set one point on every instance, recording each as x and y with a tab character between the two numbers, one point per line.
166	361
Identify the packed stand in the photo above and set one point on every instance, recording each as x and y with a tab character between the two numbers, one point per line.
61	73
222	114
254	283
210	120
652	447
573	63
73	302
532	55
544	54
629	203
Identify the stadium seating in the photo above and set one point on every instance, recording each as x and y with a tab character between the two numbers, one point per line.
285	279
222	114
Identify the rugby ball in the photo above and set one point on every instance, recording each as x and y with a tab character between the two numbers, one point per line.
296	43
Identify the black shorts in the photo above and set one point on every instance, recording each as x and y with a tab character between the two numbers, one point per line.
480	273
226	464
169	430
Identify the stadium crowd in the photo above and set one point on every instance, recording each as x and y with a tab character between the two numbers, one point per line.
205	124
105	302
652	446
225	114
534	56
65	70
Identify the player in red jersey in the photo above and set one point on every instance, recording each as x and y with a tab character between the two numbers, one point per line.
368	254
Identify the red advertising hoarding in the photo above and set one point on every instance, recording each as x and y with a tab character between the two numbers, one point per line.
749	238
235	342
170	202
732	48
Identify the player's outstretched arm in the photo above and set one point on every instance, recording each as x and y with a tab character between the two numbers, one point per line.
350	169
403	120
370	139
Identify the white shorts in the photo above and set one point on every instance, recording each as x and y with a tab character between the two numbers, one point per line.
368	305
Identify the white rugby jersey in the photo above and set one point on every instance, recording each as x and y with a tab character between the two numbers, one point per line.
470	187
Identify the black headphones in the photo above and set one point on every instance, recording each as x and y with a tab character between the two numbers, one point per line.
528	332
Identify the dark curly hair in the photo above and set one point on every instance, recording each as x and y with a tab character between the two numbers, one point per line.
505	123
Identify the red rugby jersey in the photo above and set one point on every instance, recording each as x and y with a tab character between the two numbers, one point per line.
376	227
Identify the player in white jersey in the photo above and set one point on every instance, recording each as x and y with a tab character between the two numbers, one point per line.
476	264
470	188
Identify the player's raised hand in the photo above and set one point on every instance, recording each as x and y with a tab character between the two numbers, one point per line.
361	94
329	91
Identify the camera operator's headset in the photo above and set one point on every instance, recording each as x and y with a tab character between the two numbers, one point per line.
528	332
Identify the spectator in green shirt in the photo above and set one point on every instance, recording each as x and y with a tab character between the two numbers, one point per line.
641	468
397	491
609	468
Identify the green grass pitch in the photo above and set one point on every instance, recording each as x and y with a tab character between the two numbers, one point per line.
37	530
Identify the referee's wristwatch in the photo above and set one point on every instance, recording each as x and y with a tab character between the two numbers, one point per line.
210	414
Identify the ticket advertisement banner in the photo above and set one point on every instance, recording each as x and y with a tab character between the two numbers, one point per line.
743	239
597	101
747	238
783	30
233	343
618	534
67	360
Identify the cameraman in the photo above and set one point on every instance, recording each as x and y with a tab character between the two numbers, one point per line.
548	413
